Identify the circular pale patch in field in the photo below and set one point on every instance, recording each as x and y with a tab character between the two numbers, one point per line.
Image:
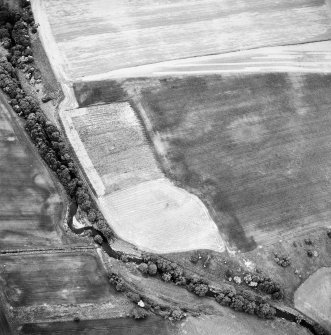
40	181
313	297
248	129
160	217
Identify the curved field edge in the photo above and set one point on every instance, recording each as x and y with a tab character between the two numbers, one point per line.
187	226
313	297
256	146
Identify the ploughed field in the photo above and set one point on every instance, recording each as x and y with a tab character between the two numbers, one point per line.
254	148
44	292
125	326
98	36
116	144
30	206
4	325
53	279
139	203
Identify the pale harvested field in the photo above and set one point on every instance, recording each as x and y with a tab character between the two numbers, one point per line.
306	58
98	36
246	325
30	207
313	297
159	217
139	204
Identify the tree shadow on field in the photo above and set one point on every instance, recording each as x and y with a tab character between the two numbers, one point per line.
233	228
102	92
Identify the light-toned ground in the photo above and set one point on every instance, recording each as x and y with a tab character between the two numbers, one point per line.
307	58
138	202
90	39
313	297
238	325
97	36
217	320
160	217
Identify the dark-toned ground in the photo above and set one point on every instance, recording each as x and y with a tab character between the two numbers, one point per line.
4	325
31	209
151	326
54	279
98	92
255	148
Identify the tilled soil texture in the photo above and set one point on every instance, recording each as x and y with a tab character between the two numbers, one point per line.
116	144
31	208
139	204
4	325
151	326
255	148
54	279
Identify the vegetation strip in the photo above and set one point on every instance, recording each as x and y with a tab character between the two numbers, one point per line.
14	35
23	251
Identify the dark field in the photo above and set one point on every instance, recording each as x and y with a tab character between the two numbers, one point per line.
54	279
4	325
30	207
98	92
255	148
150	326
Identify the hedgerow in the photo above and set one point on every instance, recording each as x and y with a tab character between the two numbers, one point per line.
15	37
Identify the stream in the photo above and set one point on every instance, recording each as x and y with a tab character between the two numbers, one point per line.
93	232
118	255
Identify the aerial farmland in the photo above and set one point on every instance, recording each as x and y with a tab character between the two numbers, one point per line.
130	186
119	35
165	167
31	206
254	146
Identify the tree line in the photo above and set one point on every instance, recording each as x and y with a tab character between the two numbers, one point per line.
15	32
240	300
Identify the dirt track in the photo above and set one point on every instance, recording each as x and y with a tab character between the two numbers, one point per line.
305	58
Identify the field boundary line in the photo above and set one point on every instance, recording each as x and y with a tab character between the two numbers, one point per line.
48	250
